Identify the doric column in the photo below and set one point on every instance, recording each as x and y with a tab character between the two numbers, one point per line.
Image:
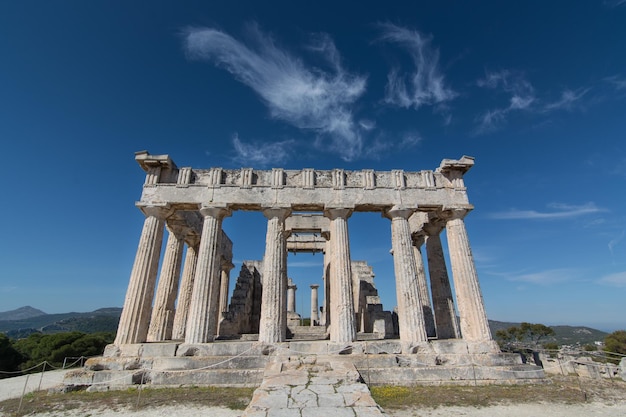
342	320
163	310
204	306
291	296
273	324
410	312
314	305
422	286
443	303
325	317
134	321
473	318
224	284
186	289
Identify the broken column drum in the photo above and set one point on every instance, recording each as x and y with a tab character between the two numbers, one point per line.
193	203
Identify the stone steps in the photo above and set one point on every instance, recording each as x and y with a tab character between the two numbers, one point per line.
308	333
102	380
297	386
243	363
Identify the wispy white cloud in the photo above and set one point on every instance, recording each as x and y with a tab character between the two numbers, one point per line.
367	124
614	3
316	99
511	81
514	84
548	277
616	280
613	242
616	81
522	97
384	145
559	211
409	140
491	120
568	100
425	84
261	154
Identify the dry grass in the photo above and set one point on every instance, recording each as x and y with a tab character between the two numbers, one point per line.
38	402
561	389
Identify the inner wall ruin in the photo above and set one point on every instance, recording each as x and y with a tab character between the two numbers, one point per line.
306	210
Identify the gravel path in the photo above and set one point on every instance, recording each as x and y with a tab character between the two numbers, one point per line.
13	387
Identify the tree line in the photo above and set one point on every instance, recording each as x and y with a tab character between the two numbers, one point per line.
528	336
23	354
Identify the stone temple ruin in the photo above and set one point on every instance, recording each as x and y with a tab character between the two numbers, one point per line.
180	327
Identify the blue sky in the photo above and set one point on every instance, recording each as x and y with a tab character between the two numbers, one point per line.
535	91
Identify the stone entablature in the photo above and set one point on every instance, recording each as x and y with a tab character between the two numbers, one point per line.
306	189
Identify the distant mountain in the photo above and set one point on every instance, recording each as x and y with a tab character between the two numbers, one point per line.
26	320
21	313
563	335
101	320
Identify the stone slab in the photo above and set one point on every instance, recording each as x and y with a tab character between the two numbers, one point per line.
312	386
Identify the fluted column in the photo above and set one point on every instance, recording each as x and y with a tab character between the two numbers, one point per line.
473	318
291	296
314	305
204	307
273	323
443	302
185	291
325	318
224	285
163	310
410	311
134	321
342	319
422	284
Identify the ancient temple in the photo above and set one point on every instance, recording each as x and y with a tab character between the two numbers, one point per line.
306	210
179	325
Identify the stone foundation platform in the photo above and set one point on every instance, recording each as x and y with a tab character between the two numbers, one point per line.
242	363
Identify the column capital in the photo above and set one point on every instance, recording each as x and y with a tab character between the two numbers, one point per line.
281	212
315	286
434	227
455	213
226	265
338	212
217	211
399	211
177	230
159	210
192	240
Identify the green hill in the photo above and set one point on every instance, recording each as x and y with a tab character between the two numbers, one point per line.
101	320
563	335
21	313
